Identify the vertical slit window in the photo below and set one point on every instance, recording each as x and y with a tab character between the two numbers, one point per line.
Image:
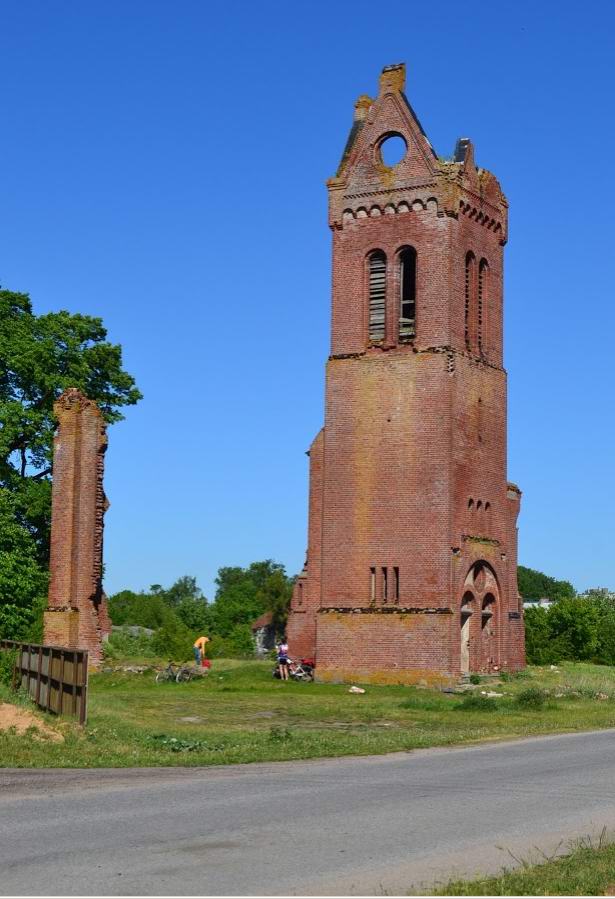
483	286
407	293
385	584
396	582
372	584
377	295
469	290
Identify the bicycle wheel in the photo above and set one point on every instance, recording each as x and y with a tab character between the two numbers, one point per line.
161	677
183	675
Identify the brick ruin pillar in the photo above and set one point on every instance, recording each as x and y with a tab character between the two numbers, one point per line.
77	615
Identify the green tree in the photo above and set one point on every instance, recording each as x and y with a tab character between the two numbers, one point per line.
40	356
121	606
184	601
577	629
536	585
23	581
605	604
574	623
195	614
173	640
538	648
184	588
275	596
243	594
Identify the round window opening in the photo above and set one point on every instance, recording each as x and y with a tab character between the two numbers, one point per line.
393	149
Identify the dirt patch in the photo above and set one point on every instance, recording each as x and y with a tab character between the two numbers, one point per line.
21	720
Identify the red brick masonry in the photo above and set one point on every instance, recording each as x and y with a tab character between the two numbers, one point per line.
77	612
412	540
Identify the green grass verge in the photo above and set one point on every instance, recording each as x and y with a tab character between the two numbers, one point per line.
586	871
241	714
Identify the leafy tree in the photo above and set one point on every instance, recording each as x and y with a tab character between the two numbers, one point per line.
184	588
173	640
23	581
577	629
121	606
40	356
275	596
536	585
183	601
243	594
181	612
605	604
574	623
240	603
139	608
538	648
239	643
195	614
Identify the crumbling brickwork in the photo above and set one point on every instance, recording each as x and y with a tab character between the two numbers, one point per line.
77	613
412	538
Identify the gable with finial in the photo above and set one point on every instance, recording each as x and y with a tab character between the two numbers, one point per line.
363	166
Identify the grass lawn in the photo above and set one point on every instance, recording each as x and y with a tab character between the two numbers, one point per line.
587	871
239	713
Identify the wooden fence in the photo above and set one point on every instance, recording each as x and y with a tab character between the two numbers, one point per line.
55	677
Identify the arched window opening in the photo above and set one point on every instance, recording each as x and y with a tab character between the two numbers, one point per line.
407	293
488	609
377	295
483	284
469	290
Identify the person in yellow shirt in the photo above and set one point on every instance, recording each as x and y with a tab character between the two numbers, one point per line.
199	648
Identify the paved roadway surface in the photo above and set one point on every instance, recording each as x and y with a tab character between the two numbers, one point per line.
338	826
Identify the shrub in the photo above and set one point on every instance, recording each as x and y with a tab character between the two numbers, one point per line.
120	645
238	645
7	664
532	698
173	641
474	678
473	702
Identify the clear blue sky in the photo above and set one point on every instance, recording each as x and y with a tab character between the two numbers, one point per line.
163	166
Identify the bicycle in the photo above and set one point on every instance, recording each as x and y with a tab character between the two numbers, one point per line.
181	674
299	671
167	674
185	674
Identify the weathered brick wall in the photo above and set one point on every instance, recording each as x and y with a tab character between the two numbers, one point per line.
301	631
77	613
387	479
412	473
375	646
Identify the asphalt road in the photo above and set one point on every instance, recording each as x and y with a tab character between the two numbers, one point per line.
352	825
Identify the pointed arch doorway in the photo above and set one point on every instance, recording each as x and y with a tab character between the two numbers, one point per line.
479	615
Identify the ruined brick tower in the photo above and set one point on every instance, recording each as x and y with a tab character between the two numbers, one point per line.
412	542
77	610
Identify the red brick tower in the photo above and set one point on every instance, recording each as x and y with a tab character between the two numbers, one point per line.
412	543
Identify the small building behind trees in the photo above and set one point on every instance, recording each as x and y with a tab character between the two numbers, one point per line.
263	631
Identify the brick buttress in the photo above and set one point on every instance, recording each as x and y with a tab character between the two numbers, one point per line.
77	608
